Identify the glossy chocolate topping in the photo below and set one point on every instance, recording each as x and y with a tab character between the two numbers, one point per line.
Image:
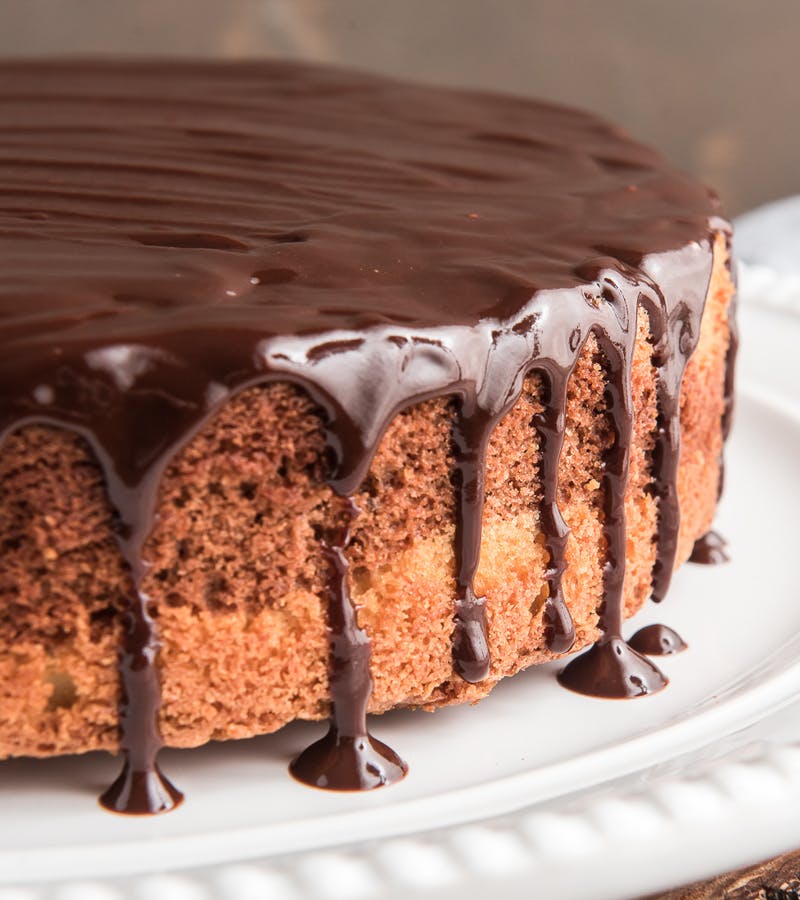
171	234
657	640
348	757
710	550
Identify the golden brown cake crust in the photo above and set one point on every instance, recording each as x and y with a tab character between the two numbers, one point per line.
238	579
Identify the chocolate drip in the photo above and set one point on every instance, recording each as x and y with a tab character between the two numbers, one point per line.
348	758
470	643
657	640
710	550
173	234
675	333
611	668
559	627
730	375
140	787
730	359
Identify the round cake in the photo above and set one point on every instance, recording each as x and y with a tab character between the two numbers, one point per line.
322	393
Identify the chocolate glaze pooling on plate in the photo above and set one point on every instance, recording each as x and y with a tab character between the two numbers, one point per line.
710	550
171	234
657	640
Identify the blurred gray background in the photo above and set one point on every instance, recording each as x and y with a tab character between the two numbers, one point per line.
714	83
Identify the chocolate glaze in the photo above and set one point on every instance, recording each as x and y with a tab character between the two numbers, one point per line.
710	550
657	640
140	787
560	630
612	668
730	363
171	234
348	757
470	643
674	342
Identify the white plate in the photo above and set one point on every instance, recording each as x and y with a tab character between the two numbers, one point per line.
642	794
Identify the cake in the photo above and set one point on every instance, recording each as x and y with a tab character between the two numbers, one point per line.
323	393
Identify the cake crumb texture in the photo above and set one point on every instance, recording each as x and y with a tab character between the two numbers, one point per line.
237	578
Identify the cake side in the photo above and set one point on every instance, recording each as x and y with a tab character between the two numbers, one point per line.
290	309
238	579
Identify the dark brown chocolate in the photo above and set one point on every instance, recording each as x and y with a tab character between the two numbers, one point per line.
611	668
657	640
347	758
141	786
171	234
730	365
560	630
710	550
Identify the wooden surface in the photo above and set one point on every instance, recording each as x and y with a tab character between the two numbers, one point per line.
776	879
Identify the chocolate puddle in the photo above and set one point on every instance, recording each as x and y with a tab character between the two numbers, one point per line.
657	640
710	550
171	234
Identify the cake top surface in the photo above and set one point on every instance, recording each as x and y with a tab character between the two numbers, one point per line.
282	198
